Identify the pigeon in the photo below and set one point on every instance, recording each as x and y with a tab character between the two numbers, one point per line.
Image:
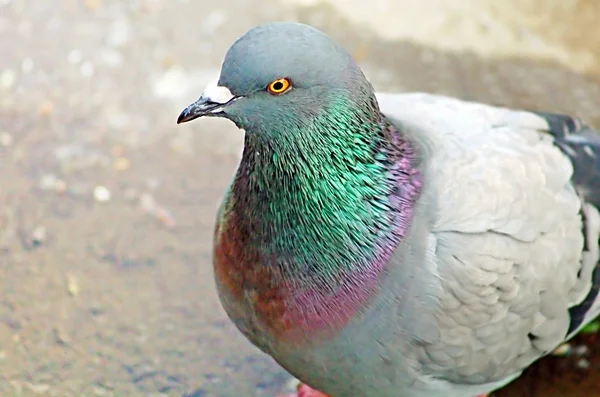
396	244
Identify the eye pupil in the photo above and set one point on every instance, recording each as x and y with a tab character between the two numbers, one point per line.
280	86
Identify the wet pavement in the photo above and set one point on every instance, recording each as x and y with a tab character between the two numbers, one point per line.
107	207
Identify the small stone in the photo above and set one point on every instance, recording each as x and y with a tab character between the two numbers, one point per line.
6	139
52	182
8	77
93	4
101	194
583	363
60	186
111	57
119	33
581	350
152	183
87	69
72	285
38	236
213	21
46	108
291	385
147	203
165	217
38	388
361	52
101	391
167	61
61	337
27	65
562	350
172	84
117	150
130	194
74	57
121	163
47	181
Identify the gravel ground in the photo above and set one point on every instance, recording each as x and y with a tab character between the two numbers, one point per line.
107	207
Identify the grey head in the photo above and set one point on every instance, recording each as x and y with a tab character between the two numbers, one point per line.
252	90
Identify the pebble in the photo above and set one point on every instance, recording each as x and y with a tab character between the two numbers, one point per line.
52	182
72	285
147	202
119	33
213	21
8	77
172	84
130	194
583	363
6	139
102	194
101	391
117	150
38	236
581	350
291	385
149	205
121	164
74	57
27	65
567	349
87	69
152	183
61	337
93	4
38	388
111	57
46	108
562	350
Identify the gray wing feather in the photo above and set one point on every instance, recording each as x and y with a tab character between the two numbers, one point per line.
514	249
582	145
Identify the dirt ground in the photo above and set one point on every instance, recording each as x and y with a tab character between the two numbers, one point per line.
107	207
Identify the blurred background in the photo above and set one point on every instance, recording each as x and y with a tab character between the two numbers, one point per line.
107	206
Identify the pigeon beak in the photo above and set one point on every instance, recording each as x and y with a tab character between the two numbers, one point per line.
211	103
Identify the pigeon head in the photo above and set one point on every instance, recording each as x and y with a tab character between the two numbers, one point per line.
325	185
281	76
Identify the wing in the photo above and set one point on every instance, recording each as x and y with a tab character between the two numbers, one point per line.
582	145
514	232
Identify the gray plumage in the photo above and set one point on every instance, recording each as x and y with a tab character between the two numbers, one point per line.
499	266
513	235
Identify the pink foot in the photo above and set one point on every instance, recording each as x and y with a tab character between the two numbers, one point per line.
305	391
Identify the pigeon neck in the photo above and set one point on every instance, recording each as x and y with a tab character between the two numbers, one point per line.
321	218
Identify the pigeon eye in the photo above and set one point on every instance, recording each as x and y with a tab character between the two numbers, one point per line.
279	86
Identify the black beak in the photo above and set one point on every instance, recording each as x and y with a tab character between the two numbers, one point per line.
202	107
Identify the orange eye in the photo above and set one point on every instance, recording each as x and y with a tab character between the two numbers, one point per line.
279	86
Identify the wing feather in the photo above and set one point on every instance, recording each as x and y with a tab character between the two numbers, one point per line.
509	242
